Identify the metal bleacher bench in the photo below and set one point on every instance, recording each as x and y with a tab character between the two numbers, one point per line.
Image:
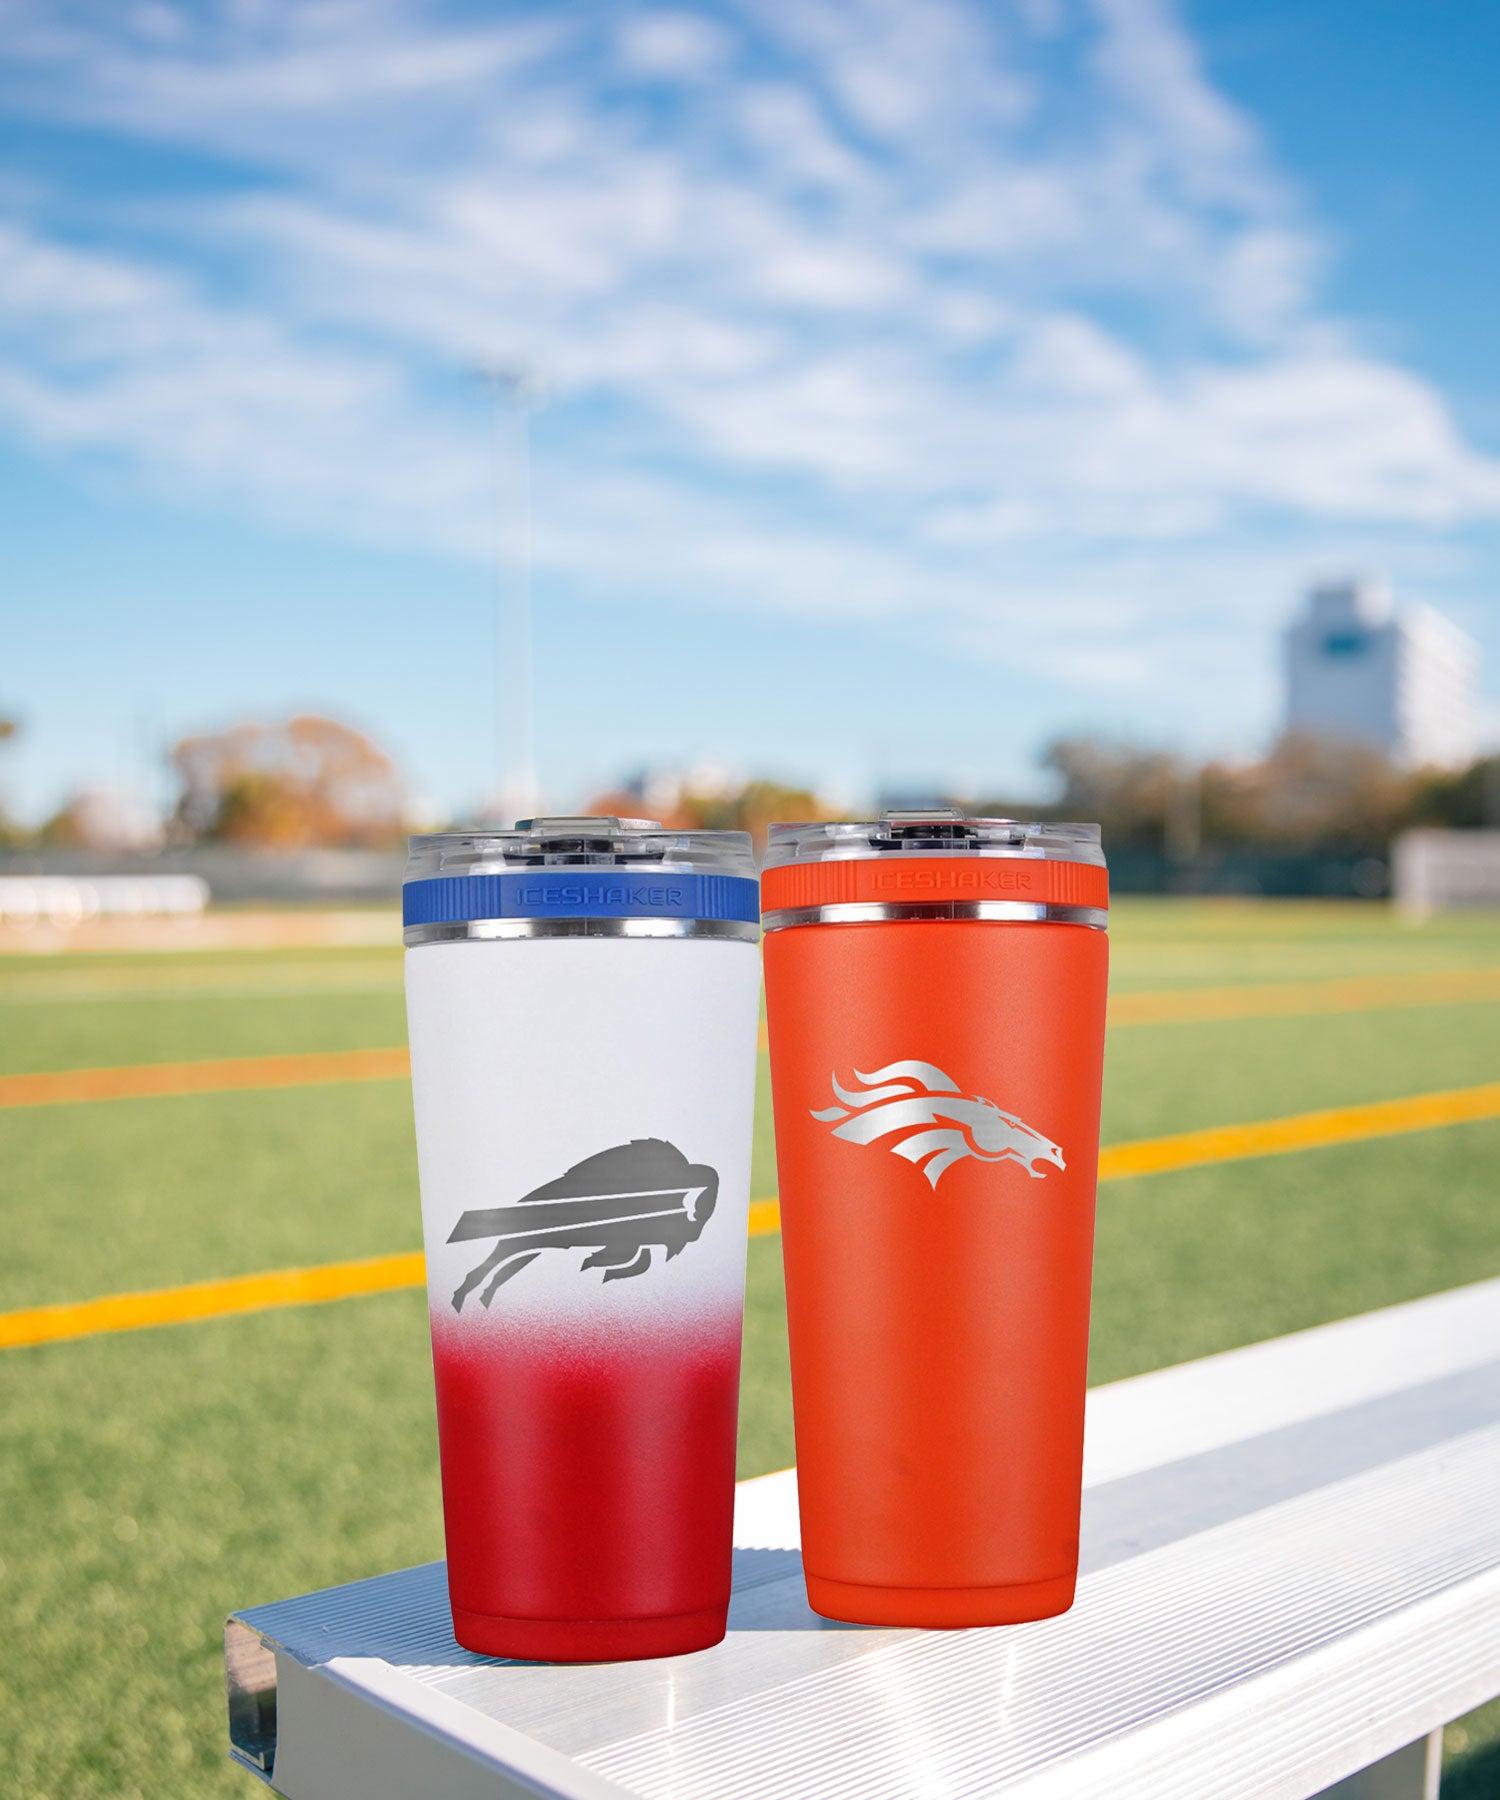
1291	1580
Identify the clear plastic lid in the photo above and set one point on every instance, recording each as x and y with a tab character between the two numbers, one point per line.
565	842
940	831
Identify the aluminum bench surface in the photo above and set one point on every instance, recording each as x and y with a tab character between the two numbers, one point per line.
1290	1570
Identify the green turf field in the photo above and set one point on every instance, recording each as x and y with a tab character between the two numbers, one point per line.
150	1481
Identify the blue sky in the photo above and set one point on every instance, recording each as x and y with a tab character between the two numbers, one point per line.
924	379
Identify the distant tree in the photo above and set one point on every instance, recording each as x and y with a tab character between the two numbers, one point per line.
11	833
628	803
1309	793
1131	792
753	808
1461	799
308	782
750	807
102	819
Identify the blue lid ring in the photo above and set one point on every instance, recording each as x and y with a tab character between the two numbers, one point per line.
580	893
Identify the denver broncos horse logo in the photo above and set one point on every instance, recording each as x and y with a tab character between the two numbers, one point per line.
939	1125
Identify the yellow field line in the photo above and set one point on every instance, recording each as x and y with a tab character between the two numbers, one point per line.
211	1299
1271	999
137	1081
375	1275
765	1216
1300	1131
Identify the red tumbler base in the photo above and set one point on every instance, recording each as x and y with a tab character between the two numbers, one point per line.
589	1640
853	1603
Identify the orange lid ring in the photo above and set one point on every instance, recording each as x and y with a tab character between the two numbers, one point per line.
906	880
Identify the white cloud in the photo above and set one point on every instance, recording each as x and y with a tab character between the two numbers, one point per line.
828	293
788	128
675	45
173	68
901	73
103	355
1202	143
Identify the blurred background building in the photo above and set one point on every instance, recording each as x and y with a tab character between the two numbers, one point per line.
1399	681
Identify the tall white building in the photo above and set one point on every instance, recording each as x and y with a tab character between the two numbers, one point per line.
1402	681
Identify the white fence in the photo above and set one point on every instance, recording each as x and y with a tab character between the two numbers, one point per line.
66	900
1434	870
239	877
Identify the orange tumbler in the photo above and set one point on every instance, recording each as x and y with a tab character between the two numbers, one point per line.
935	992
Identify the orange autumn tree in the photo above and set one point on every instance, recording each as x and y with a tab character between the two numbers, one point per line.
307	783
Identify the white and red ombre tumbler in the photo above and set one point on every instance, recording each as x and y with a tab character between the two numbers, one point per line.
582	997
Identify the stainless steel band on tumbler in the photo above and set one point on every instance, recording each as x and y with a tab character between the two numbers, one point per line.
866	912
476	930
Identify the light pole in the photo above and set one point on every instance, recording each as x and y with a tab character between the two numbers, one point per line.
518	391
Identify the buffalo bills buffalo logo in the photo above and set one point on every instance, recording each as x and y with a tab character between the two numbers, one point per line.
618	1205
933	1123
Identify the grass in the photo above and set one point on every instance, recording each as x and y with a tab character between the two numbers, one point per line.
1205	1259
149	1482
